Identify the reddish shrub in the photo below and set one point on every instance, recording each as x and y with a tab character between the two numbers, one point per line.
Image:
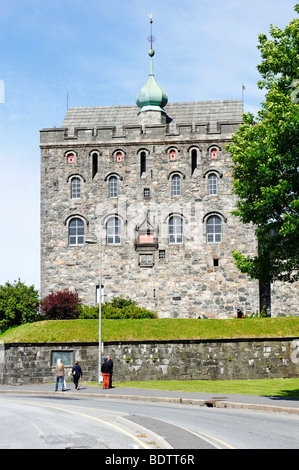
60	305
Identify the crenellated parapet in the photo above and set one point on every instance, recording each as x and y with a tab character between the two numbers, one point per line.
191	121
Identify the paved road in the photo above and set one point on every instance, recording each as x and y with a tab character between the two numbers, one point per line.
253	402
93	418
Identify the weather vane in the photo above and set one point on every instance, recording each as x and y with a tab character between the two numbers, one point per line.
151	38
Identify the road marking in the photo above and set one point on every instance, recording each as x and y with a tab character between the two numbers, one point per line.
93	409
84	415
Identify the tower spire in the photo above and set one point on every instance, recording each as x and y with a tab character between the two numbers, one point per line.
151	99
151	38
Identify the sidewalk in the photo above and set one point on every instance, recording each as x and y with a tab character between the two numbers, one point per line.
251	402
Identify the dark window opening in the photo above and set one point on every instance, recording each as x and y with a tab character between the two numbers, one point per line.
215	262
146	193
193	160
94	164
142	163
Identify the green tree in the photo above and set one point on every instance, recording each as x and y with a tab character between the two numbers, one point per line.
265	158
18	304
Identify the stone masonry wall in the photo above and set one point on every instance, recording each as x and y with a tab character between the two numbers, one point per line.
184	283
176	360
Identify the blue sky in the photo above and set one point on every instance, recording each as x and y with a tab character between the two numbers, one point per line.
95	52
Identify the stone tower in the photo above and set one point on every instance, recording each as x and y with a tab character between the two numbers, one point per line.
152	184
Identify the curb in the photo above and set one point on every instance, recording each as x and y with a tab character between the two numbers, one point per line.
182	401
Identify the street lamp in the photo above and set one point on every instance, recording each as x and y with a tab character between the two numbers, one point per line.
99	242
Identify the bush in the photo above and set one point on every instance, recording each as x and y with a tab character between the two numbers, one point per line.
87	312
60	305
18	304
118	308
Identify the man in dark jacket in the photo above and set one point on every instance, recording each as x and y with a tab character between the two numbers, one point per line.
105	373
77	373
110	365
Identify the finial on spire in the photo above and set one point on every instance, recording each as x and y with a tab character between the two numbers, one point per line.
151	38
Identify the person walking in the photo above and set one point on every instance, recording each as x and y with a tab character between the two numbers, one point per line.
105	373
110	364
59	374
76	373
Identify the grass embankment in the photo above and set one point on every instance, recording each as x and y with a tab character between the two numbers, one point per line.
169	329
152	329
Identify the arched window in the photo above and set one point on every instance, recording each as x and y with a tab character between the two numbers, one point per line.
94	164
76	188
119	157
113	187
172	155
113	231
176	185
142	163
193	160
76	232
214	153
212	183
175	225
70	158
214	230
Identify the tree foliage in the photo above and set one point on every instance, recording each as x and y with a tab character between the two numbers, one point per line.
60	305
265	158
18	304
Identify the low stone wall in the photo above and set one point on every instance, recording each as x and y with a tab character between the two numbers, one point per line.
22	363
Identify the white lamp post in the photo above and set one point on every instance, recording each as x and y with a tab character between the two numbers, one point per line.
99	242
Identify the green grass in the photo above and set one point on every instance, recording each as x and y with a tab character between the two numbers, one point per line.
151	329
283	388
170	329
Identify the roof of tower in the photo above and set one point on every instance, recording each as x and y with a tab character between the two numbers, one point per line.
185	112
151	94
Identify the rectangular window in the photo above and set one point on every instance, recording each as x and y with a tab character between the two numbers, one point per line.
98	294
176	185
212	180
76	193
162	254
146	193
113	190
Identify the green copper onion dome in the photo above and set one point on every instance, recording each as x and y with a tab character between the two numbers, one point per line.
151	94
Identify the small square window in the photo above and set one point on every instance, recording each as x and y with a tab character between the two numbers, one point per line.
162	254
146	193
215	262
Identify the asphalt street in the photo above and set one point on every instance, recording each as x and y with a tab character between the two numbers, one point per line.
253	402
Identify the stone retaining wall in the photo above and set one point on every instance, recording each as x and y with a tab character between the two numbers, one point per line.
22	363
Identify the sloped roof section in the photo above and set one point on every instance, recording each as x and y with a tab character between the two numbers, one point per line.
188	112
